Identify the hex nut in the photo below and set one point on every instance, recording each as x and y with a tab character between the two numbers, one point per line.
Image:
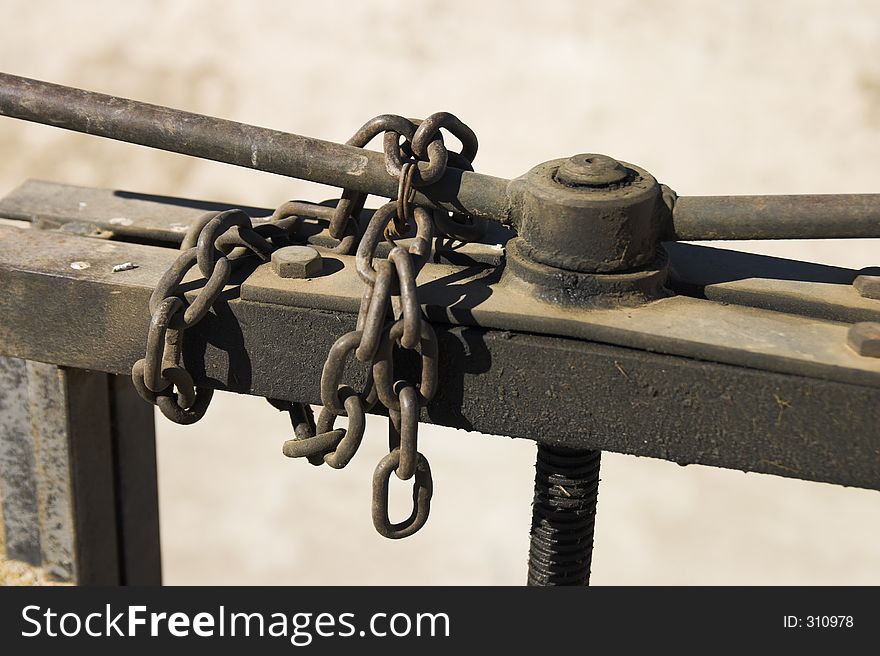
868	286
864	338
296	262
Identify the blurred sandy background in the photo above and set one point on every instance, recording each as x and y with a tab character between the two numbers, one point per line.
713	98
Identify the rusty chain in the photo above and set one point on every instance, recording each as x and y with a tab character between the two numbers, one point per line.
390	316
213	243
419	160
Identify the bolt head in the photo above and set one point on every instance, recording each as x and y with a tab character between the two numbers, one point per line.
296	262
868	286
591	170
864	339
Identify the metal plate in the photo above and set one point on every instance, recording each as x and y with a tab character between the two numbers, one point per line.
684	326
680	325
554	390
771	283
155	219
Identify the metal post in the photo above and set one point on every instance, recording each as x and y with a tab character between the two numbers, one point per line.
563	516
77	475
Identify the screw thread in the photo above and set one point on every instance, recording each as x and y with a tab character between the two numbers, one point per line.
563	516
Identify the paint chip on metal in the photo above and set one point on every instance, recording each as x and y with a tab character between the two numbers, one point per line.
357	165
79	265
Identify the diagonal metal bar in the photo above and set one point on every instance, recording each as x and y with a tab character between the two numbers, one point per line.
240	144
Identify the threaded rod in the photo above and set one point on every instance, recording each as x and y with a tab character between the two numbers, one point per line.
563	516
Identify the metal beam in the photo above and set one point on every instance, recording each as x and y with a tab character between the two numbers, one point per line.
493	381
465	292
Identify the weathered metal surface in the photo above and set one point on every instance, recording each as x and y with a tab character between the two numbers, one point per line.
18	486
124	214
864	339
495	382
837	216
91	476
296	262
130	216
578	289
113	477
136	489
577	219
78	481
721	275
50	493
563	516
679	325
772	283
590	227
868	285
161	378
49	419
695	218
239	144
376	342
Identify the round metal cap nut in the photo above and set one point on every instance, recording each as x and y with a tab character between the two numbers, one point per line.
591	170
296	262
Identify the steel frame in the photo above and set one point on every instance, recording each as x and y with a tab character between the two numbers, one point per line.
571	323
551	389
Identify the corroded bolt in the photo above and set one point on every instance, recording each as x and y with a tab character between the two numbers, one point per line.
867	285
864	338
591	170
296	262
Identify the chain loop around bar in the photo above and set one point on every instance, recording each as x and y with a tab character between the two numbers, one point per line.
209	244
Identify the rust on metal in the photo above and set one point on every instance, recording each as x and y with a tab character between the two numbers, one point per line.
249	146
864	338
579	264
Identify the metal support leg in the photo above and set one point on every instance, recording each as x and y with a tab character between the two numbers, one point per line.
563	516
77	475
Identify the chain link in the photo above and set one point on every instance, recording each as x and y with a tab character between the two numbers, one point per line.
417	161
212	243
390	316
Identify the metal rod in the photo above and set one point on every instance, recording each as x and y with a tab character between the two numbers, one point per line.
693	218
777	217
239	144
563	516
